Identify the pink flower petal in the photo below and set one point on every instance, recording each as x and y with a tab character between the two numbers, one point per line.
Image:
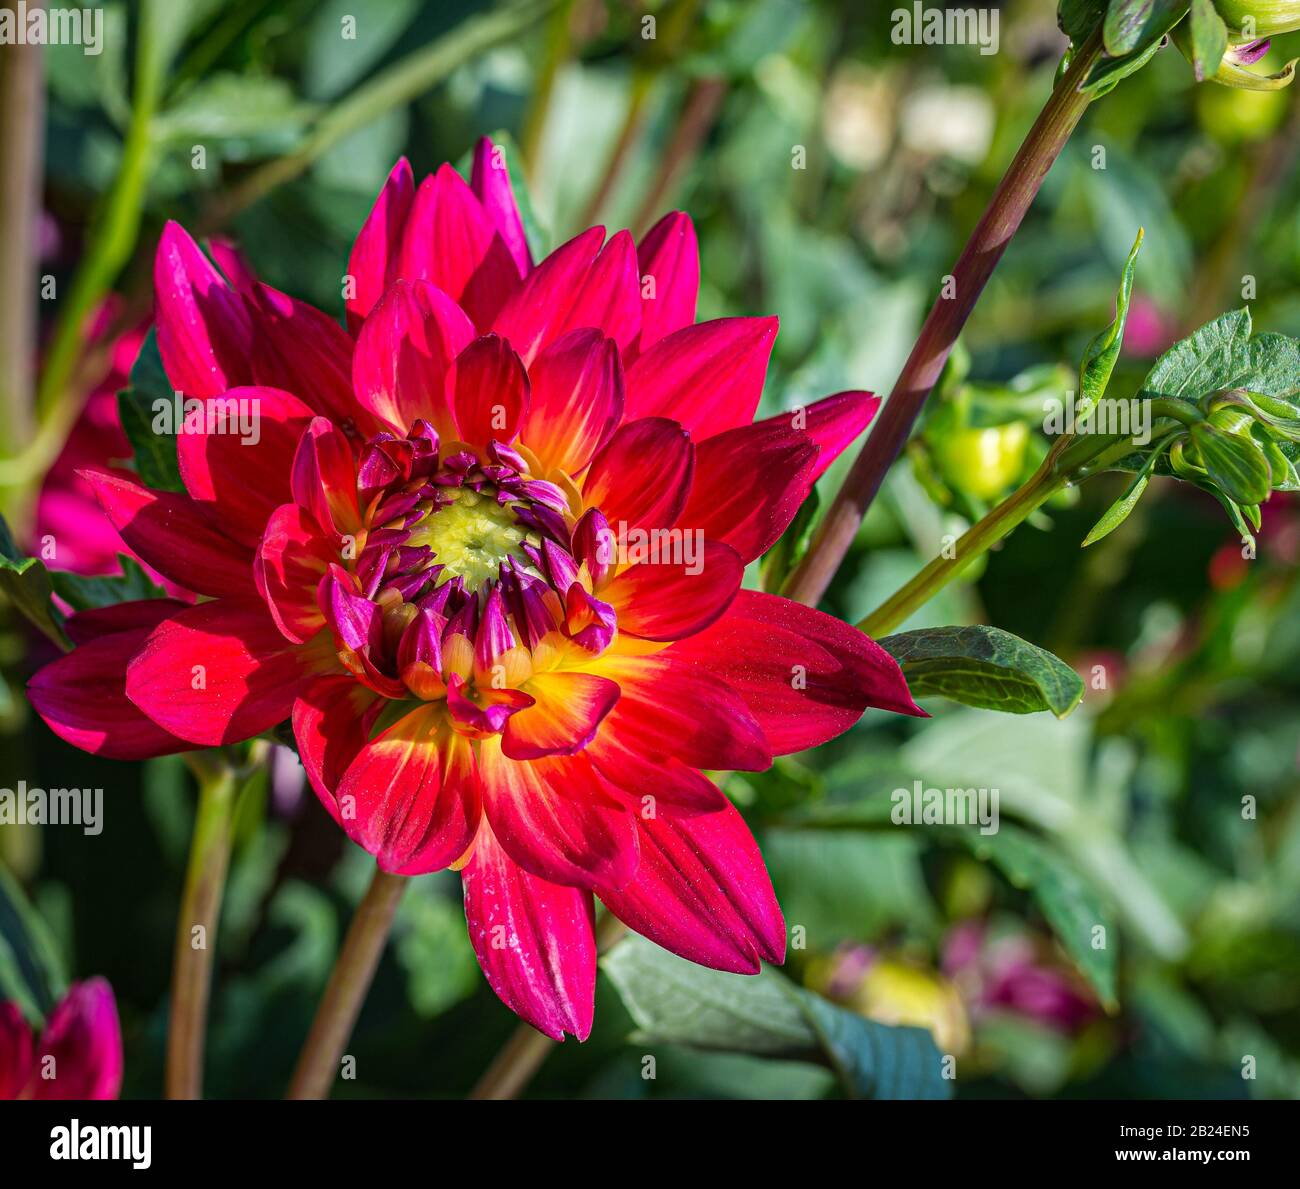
702	891
668	256
238	482
411	796
557	818
82	1044
642	476
168	531
490	181
372	264
534	941
666	599
575	401
291	561
404	352
218	673
490	392
567	710
708	376
805	676
204	331
332	718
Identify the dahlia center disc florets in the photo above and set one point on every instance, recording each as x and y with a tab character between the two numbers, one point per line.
472	535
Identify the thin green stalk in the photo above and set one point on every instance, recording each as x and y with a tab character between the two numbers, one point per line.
557	47
399	84
318	1065
21	144
999	223
112	241
196	923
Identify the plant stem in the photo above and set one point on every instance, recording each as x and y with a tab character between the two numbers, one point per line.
1000	221
557	46
633	118
522	1055
21	144
200	909
942	570
318	1065
401	83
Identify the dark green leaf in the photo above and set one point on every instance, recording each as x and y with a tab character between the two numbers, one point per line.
985	667
155	453
1109	72
1213	357
788	552
1208	38
1234	462
678	1002
26	583
1119	511
1134	24
1101	354
1072	907
31	974
1078	18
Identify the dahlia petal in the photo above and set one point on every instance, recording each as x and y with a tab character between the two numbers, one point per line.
534	940
535	314
665	780
567	710
558	818
610	296
204	331
410	798
82	698
372	264
805	676
237	267
83	1040
167	531
667	599
451	242
490	181
489	392
832	422
576	399
749	483
218	673
667	708
332	718
670	257
703	892
642	476
324	477
95	622
404	351
301	350
217	468
293	558
708	376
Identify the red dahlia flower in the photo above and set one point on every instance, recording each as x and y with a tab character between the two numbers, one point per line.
77	1055
487	554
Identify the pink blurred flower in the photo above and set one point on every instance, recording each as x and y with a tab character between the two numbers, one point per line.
78	1054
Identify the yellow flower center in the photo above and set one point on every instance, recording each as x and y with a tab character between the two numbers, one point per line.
471	537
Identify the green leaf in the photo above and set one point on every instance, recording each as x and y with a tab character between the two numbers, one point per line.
1119	511
1235	463
1208	36
31	973
1078	18
677	1002
107	591
1210	358
985	667
26	583
1100	357
155	453
1109	72
1134	24
262	112
1072	907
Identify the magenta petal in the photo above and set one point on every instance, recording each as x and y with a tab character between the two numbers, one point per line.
805	676
490	181
331	724
82	1044
703	892
204	331
669	259
373	262
534	941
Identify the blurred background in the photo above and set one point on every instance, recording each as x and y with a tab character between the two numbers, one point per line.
833	177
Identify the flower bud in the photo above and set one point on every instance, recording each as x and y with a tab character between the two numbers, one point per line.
1259	18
